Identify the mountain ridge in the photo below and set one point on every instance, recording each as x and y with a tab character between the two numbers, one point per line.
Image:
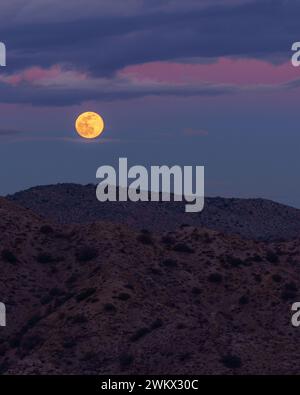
258	219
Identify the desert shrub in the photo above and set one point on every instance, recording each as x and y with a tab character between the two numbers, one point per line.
4	366
123	296
215	278
257	258
181	325
257	278
69	343
72	279
46	299
145	238
90	355
168	240
125	360
139	334
155	271
158	323
231	361
289	292
206	238
196	291
9	256
85	294
233	261
169	262
31	342
86	254
46	229
129	286
56	291
109	307
3	349
184	356
276	278
79	319
45	257
183	247
15	341
272	257
243	300
33	321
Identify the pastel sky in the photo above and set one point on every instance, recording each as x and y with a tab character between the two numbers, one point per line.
192	82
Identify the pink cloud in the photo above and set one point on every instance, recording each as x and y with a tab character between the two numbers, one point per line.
38	75
33	74
225	70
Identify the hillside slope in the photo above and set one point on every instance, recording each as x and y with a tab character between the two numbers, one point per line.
257	219
103	298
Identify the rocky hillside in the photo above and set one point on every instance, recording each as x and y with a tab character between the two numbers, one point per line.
256	219
104	298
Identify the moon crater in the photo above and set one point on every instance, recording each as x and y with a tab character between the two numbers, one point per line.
89	125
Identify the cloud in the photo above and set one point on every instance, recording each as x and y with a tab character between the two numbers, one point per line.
222	70
64	53
64	88
103	44
30	11
73	92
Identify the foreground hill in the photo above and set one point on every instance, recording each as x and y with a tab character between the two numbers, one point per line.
102	298
257	219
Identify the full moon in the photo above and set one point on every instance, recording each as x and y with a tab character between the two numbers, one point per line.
89	125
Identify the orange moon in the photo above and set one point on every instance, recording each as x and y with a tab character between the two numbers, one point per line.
89	125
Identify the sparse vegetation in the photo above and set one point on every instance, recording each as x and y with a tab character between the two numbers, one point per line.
231	361
183	247
31	342
126	360
86	254
79	319
46	229
272	257
257	258
145	238
243	300
86	293
215	278
69	343
276	278
123	296
9	256
110	308
196	291
45	257
169	262
139	334
158	323
168	240
289	292
233	261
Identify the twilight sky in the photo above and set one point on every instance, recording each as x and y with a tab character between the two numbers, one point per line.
193	82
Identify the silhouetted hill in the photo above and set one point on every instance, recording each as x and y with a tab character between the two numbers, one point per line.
104	298
257	219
